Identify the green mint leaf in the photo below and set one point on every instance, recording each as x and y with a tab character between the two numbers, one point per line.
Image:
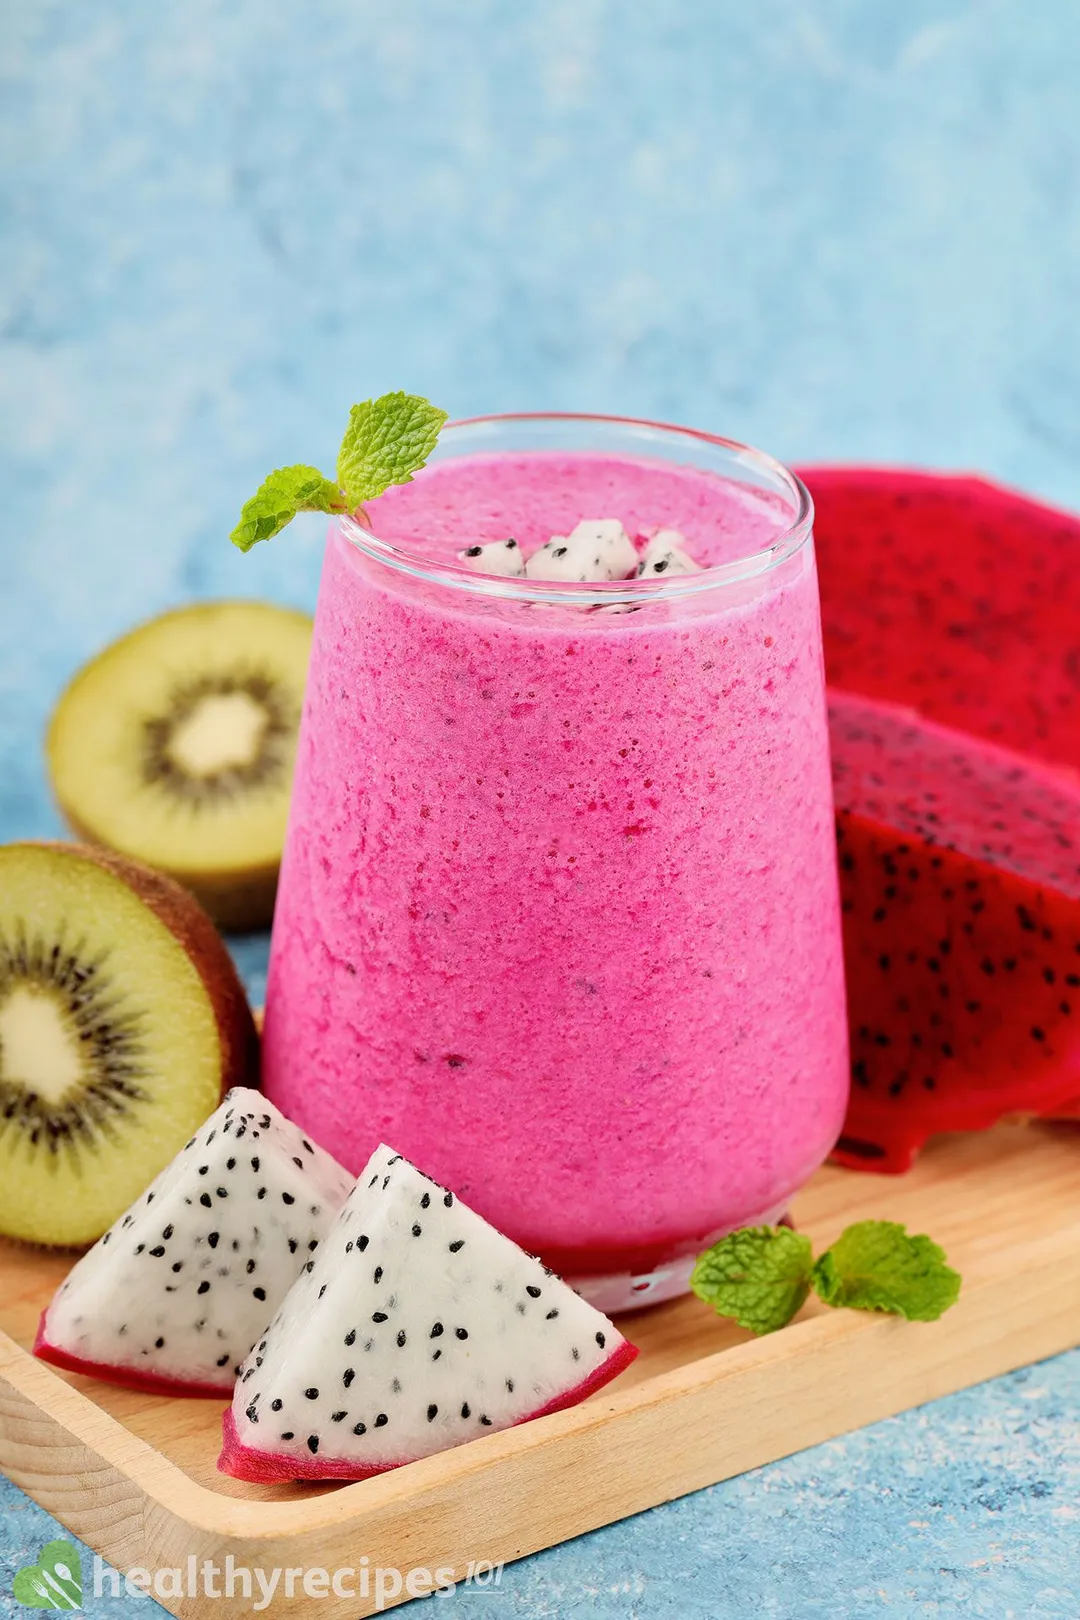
878	1266
278	499
759	1276
386	441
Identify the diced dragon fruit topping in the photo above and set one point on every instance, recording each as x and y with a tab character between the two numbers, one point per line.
666	553
503	557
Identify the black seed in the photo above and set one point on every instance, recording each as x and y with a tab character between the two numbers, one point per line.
293	1245
159	1344
448	1199
204	1288
350	1337
275	1406
178	1265
312	1394
287	1198
205	1200
432	1412
378	1273
252	1413
250	1267
425	1201
576	1353
510	1385
601	1341
401	1337
381	1421
435	1354
461	1333
261	1193
465	1410
436	1330
213	1238
223	1361
551	1315
417	1229
473	551
360	1428
378	1316
1037	1034
313	1443
255	1163
348	1375
288	1435
486	1421
259	1293
361	1243
532	1291
459	1244
158	1252
168	1232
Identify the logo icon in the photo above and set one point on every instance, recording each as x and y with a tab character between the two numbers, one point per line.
54	1582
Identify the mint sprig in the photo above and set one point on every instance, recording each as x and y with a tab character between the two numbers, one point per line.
761	1275
386	441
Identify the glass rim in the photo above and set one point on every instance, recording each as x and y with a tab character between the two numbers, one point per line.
458	576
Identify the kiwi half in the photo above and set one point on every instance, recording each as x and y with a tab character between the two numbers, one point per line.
122	1022
176	746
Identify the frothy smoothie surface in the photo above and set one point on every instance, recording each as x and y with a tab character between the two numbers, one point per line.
558	915
451	504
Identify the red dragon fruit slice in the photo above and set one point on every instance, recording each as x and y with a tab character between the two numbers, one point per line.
960	878
178	1290
416	1327
955	597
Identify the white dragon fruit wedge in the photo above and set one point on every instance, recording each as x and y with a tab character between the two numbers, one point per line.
595	549
666	553
178	1290
415	1328
503	557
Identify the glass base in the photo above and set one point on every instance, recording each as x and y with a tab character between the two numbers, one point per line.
619	1292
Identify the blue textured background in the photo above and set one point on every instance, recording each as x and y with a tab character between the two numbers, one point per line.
841	230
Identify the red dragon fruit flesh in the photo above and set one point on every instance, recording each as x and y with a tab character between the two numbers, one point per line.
954	597
174	1295
960	881
415	1328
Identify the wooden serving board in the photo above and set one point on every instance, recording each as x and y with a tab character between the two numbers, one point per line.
134	1475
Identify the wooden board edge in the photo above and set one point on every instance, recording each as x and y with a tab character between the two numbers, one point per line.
511	1494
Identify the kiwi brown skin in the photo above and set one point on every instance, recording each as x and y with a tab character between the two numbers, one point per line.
190	925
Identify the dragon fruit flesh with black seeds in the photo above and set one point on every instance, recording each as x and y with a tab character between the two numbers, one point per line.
416	1327
666	553
178	1290
504	557
595	549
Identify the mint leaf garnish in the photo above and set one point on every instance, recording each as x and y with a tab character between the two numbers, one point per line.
759	1275
278	499
878	1266
386	441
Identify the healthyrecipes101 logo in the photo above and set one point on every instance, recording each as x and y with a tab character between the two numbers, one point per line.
54	1582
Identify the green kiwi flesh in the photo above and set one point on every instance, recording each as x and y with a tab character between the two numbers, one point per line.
122	1022
176	746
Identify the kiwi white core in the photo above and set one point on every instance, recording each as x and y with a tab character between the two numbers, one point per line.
224	731
39	1050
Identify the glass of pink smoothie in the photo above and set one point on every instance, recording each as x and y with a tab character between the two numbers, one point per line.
558	915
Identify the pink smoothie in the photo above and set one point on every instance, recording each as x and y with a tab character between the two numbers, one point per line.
558	915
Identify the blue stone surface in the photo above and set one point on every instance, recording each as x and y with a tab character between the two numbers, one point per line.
842	231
